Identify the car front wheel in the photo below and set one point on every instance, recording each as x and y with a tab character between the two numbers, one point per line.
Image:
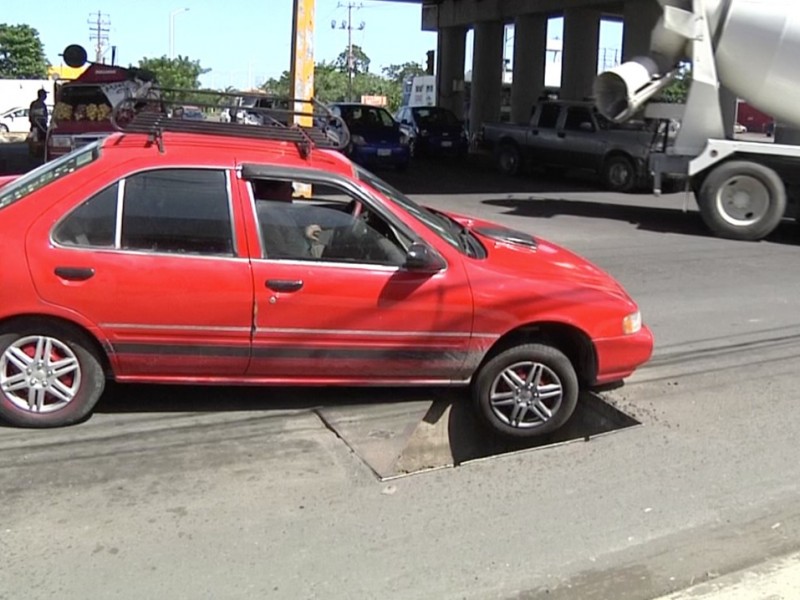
526	391
49	377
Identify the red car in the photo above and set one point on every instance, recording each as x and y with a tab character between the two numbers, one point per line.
208	257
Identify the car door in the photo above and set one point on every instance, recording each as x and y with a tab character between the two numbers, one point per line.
347	310
583	147
152	260
543	144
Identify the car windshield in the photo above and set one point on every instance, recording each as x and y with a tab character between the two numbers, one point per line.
442	226
48	173
431	117
367	116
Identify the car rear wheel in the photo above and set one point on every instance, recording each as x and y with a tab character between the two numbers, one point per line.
49	376
619	174
509	159
526	391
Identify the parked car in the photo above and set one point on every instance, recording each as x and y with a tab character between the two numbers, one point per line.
739	128
375	137
433	130
15	120
563	134
181	262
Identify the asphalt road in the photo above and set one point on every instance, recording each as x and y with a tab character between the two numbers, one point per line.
239	493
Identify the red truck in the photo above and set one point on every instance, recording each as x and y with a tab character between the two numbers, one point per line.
83	107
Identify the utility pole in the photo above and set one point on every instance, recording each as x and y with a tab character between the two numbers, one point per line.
348	25
99	26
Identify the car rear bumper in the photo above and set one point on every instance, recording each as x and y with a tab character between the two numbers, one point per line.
381	155
618	357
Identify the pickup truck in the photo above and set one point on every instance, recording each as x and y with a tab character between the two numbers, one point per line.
564	135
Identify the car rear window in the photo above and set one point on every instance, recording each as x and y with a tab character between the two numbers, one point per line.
48	173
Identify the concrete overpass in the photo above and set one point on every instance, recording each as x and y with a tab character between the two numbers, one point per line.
487	18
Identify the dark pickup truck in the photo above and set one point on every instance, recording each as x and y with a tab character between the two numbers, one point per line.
567	135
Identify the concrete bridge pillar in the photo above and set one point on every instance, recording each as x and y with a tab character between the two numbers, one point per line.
639	19
581	39
487	73
530	47
450	71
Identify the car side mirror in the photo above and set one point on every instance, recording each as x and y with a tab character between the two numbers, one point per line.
420	257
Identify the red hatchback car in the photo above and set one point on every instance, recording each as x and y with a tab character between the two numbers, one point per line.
201	257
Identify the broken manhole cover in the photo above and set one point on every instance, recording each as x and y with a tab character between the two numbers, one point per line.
441	430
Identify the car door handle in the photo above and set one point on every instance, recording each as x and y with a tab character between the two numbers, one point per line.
284	285
75	273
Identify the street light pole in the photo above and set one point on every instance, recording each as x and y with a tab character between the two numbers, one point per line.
177	11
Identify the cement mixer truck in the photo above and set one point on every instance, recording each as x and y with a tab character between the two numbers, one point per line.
751	48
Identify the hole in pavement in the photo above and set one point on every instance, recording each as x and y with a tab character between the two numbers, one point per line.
403	438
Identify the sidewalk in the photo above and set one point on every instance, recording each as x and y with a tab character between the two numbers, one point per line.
778	579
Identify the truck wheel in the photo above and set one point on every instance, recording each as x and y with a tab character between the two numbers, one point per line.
508	159
526	391
742	200
619	173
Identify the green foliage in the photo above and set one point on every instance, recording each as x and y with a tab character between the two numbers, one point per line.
330	80
177	72
21	53
678	91
360	61
399	73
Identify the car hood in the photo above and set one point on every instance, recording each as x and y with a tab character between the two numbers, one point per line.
524	256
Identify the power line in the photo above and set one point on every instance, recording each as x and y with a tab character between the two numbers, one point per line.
99	26
348	26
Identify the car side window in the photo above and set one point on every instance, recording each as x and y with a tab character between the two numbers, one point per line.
329	225
548	115
91	224
578	119
183	211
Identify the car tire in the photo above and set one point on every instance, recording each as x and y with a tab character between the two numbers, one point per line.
526	391
742	200
619	173
52	366
509	159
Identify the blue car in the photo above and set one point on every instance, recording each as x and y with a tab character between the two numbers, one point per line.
375	137
433	130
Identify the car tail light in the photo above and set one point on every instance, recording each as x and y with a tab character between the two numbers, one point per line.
61	141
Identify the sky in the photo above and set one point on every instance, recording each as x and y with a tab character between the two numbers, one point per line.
242	42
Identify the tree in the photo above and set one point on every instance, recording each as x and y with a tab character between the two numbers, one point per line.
21	53
399	73
175	72
360	61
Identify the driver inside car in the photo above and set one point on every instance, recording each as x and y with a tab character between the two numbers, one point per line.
284	233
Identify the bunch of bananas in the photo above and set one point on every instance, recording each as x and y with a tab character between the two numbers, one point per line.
103	112
62	112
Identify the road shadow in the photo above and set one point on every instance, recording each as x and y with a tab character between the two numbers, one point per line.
120	398
647	218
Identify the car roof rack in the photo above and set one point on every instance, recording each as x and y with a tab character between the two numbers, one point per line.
248	115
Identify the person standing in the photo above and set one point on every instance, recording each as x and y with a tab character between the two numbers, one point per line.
37	115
